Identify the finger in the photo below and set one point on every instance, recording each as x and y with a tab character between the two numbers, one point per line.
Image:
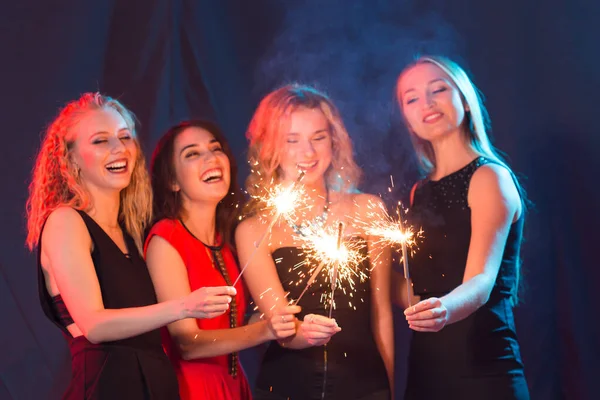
287	310
206	315
419	329
285	331
321	320
214	308
319	335
220	290
321	328
214	314
284	328
422	306
291	310
428	323
218	300
283	318
427	314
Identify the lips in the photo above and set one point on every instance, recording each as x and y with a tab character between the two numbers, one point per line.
432	117
117	166
212	175
306	166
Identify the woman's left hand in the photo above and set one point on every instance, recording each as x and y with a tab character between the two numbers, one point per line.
429	315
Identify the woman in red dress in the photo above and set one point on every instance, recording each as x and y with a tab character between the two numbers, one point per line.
195	204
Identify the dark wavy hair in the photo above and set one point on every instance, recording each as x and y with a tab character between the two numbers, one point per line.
167	203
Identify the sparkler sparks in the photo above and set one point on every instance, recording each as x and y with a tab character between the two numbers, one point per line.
392	231
283	200
341	259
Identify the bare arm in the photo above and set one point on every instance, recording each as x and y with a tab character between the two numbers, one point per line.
495	203
381	318
66	255
267	291
170	279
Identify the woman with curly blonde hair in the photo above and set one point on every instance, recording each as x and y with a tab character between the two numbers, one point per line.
89	203
298	129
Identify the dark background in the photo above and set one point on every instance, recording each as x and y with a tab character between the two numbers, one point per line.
169	60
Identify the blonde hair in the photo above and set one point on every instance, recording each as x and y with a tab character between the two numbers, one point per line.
476	118
267	138
55	182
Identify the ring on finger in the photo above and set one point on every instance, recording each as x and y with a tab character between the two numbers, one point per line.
283	318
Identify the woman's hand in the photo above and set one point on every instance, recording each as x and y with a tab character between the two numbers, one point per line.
427	316
282	323
318	329
208	302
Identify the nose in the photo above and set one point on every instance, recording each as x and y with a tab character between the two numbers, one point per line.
308	149
429	101
210	156
117	146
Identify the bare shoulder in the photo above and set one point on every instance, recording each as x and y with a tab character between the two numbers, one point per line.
367	204
65	223
493	182
250	228
65	237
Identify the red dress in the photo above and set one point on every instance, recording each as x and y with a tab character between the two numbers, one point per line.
204	378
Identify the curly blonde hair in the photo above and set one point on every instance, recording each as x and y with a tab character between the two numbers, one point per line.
55	182
266	134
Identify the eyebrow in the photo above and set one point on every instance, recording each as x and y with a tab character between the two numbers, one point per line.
196	145
315	132
108	133
429	83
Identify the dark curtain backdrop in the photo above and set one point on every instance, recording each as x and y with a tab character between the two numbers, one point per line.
169	60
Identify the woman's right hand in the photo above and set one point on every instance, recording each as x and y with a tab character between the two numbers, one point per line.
318	329
282	323
208	302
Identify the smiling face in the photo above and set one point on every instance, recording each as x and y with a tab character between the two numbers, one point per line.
103	150
202	169
431	103
308	146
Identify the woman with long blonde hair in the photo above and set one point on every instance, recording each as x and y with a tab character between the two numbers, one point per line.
350	356
89	203
465	273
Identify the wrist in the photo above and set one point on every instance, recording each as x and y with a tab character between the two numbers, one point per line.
267	332
179	309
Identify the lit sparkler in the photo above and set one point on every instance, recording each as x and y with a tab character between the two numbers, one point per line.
284	201
326	248
392	231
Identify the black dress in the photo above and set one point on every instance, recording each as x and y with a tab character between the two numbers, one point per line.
135	368
478	357
355	369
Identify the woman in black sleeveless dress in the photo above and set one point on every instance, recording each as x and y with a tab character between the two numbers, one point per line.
465	271
298	128
89	202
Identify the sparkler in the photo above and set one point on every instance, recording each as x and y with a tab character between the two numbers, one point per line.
392	231
327	247
284	201
334	275
405	262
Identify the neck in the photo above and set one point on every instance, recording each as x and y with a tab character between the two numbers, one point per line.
317	199
105	208
316	190
201	220
451	154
